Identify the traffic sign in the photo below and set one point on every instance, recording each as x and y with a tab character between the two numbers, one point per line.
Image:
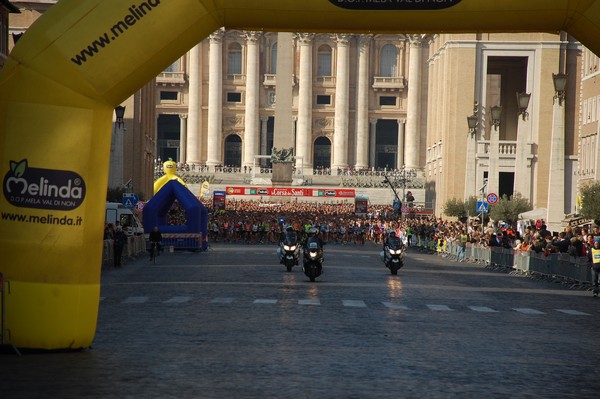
129	200
482	207
492	198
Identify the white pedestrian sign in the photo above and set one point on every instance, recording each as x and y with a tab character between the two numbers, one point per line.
482	207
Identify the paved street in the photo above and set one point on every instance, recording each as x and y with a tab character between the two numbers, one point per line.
232	323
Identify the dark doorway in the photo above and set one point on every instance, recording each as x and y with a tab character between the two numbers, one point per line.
322	151
386	144
233	151
168	127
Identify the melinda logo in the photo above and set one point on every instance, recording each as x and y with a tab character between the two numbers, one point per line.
395	4
38	188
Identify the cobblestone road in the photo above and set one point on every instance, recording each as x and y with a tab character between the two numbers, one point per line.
232	323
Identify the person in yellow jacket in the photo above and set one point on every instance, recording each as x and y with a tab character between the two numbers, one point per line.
594	255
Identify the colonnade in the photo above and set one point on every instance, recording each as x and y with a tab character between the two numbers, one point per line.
255	124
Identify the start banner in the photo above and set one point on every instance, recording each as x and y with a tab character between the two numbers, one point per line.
291	192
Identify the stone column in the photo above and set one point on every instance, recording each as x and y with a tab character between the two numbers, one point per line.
522	167
284	125
362	103
263	138
251	137
413	113
193	147
215	100
342	104
556	178
183	137
373	141
304	126
400	151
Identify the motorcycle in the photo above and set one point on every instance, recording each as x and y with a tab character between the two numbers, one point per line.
289	251
312	264
393	255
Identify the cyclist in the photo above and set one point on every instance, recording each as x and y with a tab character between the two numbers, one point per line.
155	239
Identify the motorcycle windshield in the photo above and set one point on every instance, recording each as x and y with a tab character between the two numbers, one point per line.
394	243
291	239
313	244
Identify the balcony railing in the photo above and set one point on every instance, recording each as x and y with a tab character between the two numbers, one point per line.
388	83
171	77
237	78
506	149
326	81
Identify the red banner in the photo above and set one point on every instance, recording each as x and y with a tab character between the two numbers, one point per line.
291	192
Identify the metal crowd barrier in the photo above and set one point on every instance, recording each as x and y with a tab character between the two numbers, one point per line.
561	265
134	246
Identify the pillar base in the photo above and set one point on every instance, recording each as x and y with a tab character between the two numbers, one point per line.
282	173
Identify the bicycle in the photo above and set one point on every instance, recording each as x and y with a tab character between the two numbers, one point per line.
153	251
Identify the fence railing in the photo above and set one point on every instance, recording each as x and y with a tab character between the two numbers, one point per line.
134	246
556	264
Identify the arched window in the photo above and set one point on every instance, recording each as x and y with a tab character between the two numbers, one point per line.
274	58
174	67
388	61
324	61
234	59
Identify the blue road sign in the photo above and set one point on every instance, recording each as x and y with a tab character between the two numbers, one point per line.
482	207
129	200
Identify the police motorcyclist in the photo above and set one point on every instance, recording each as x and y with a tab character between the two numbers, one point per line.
291	237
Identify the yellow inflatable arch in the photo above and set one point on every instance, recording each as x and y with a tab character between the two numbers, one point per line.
82	58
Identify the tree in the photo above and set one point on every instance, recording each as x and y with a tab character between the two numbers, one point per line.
590	201
508	209
455	207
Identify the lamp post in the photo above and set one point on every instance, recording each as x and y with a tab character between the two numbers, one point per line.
523	104
556	177
560	83
494	151
522	181
470	161
116	149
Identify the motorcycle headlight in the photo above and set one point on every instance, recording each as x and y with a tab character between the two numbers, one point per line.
395	251
289	247
313	254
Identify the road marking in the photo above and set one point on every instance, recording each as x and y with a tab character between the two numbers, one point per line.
179	299
222	300
528	311
266	301
353	303
573	312
483	309
395	306
136	299
309	302
439	308
419	259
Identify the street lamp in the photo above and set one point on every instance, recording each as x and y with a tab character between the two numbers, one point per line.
496	112
119	114
472	122
560	82
523	103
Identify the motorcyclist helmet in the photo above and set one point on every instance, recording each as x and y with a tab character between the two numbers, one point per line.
392	233
289	229
312	232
